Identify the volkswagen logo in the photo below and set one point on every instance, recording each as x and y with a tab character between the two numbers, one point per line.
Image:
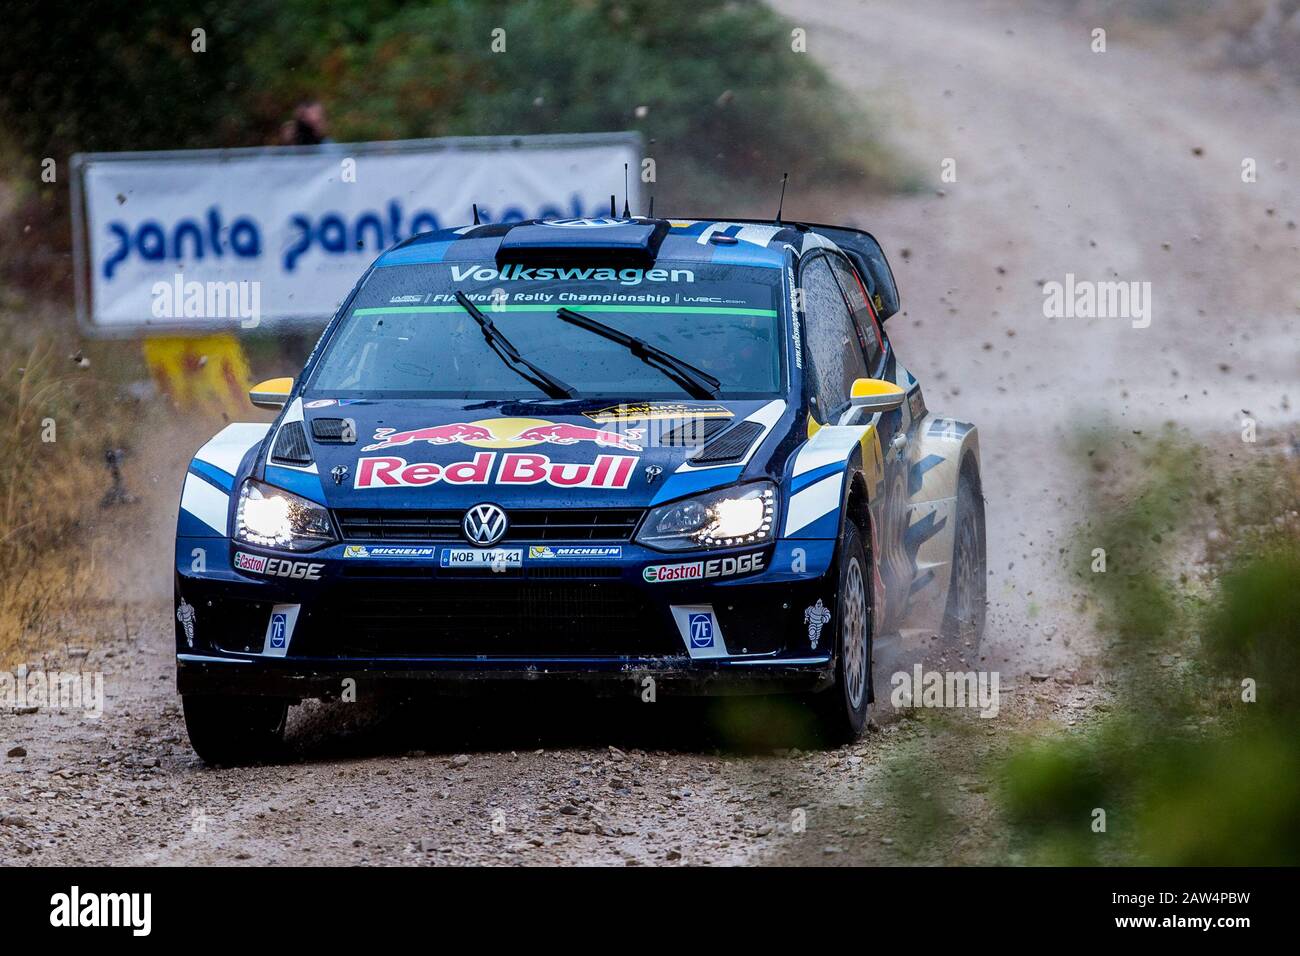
484	525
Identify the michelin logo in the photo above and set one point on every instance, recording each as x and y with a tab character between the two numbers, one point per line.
816	617
385	551
542	552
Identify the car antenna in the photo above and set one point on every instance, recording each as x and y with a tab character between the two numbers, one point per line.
627	213
652	208
612	213
476	222
780	205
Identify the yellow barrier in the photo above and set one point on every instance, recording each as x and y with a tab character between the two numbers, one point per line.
210	372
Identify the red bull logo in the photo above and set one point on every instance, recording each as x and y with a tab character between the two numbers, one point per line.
515	468
434	435
508	433
565	434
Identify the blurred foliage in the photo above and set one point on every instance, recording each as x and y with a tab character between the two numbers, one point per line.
716	80
115	75
712	85
1188	772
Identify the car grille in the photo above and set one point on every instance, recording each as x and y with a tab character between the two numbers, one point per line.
489	619
533	572
526	525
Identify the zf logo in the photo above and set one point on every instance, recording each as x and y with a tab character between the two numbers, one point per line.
279	626
701	626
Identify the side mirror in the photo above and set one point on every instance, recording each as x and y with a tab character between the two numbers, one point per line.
272	393
876	395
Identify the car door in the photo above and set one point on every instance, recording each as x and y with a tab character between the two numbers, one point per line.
846	343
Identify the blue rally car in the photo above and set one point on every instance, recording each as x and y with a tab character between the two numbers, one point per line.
624	449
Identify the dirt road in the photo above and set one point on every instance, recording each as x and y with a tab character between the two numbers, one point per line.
1124	164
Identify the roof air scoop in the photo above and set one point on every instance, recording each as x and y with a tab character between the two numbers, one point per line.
619	241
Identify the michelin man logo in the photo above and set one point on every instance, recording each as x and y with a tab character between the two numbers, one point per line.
185	614
816	617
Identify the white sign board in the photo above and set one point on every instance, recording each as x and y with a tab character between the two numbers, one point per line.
303	223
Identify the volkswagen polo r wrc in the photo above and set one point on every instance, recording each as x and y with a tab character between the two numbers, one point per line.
614	449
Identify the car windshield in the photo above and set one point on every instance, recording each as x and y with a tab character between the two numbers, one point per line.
405	335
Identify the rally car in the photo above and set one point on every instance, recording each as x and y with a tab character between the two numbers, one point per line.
659	454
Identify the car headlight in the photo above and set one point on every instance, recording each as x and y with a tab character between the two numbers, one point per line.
274	518
720	519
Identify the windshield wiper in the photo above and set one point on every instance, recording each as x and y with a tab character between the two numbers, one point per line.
498	342
697	382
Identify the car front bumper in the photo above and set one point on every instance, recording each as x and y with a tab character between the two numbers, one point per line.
410	626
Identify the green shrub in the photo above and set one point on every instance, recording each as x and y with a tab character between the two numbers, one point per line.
1188	769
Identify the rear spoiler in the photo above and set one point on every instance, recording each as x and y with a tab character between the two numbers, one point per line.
863	250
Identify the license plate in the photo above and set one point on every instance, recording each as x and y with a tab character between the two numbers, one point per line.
482	558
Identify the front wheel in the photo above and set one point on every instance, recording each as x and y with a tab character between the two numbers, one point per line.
234	730
842	709
963	619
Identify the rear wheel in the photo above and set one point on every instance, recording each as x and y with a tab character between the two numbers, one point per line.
963	620
842	709
234	730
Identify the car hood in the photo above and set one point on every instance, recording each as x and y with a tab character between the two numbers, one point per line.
442	454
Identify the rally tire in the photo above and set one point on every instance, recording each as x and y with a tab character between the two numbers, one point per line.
842	709
234	731
963	618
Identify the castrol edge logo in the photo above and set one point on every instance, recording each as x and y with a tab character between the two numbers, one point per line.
512	468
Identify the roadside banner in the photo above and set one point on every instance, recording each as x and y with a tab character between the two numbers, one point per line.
229	239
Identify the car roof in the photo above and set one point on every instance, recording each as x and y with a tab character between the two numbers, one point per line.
762	244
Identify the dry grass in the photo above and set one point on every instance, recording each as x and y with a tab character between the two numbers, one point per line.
58	421
72	569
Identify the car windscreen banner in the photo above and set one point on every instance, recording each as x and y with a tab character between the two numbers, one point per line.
229	239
